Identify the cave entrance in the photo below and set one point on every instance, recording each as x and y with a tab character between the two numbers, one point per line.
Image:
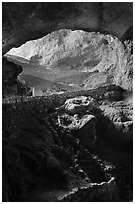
67	60
61	61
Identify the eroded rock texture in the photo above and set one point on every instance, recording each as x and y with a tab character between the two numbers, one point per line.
78	59
27	21
41	150
81	124
11	86
79	105
107	60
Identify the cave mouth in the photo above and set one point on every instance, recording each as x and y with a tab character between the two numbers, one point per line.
45	17
42	152
65	60
37	150
46	67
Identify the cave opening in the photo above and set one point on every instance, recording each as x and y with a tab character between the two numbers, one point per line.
67	103
65	60
60	61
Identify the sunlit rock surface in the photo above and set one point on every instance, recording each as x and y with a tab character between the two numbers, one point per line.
77	60
79	104
28	21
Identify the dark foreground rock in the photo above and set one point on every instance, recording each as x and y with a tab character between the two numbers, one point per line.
10	84
83	128
119	124
38	153
78	120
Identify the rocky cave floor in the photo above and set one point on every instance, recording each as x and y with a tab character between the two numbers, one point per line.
68	147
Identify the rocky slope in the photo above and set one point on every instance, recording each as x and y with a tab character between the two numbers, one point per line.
79	59
43	147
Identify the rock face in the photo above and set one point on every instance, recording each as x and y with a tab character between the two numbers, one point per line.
83	128
35	20
11	71
36	147
86	193
46	153
80	59
11	85
76	117
120	127
79	104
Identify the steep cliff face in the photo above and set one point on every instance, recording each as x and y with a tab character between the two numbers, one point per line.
27	21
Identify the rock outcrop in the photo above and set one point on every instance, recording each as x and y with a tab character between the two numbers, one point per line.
76	117
11	86
82	128
119	130
79	105
42	152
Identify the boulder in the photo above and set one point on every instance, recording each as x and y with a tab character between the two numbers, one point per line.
11	84
117	119
76	116
79	104
82	127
